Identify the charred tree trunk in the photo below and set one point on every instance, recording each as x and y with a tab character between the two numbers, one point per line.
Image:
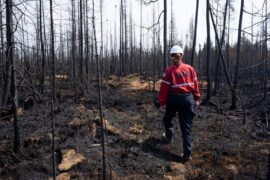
266	54
52	90
81	73
228	38
101	35
114	66
52	51
73	46
41	83
2	63
252	49
221	54
131	66
126	39
7	75
171	34
11	59
208	95
87	49
153	54
217	78
100	97
140	58
121	39
195	34
236	72
165	62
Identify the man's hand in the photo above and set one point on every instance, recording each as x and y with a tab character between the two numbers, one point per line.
197	103
162	108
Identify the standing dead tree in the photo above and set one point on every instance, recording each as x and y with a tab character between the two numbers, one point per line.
73	46
195	34
265	81
125	37
208	95
7	72
220	53
12	64
165	62
101	36
99	95
236	71
1	55
81	72
87	48
41	83
217	74
140	58
52	90
121	55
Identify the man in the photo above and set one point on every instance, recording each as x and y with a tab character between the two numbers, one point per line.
179	92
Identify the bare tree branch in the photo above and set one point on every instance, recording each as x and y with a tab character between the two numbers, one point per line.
153	25
149	2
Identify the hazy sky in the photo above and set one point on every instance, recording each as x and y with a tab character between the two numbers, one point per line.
184	10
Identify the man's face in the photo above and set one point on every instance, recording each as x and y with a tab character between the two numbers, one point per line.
176	58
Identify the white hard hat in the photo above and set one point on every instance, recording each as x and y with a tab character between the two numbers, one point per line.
176	50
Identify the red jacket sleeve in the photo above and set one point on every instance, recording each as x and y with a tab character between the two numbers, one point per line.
196	92
164	88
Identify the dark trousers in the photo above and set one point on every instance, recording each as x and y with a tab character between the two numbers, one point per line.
184	105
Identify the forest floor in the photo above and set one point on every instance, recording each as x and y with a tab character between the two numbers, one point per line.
223	148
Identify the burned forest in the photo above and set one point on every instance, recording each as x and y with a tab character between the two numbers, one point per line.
80	79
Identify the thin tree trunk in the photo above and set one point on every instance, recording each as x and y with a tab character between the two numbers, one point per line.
252	49
266	53
46	46
171	34
86	44
217	75
228	38
220	53
100	96
1	56
52	90
165	62
101	35
7	75
236	72
195	34
126	39
36	68
114	67
208	95
73	51
131	66
121	38
154	49
140	58
81	73
41	84
11	59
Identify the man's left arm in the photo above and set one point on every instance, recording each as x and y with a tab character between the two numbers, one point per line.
196	91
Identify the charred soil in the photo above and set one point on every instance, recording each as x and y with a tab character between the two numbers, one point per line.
223	148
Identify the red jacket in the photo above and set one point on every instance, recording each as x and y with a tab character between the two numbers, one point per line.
182	79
